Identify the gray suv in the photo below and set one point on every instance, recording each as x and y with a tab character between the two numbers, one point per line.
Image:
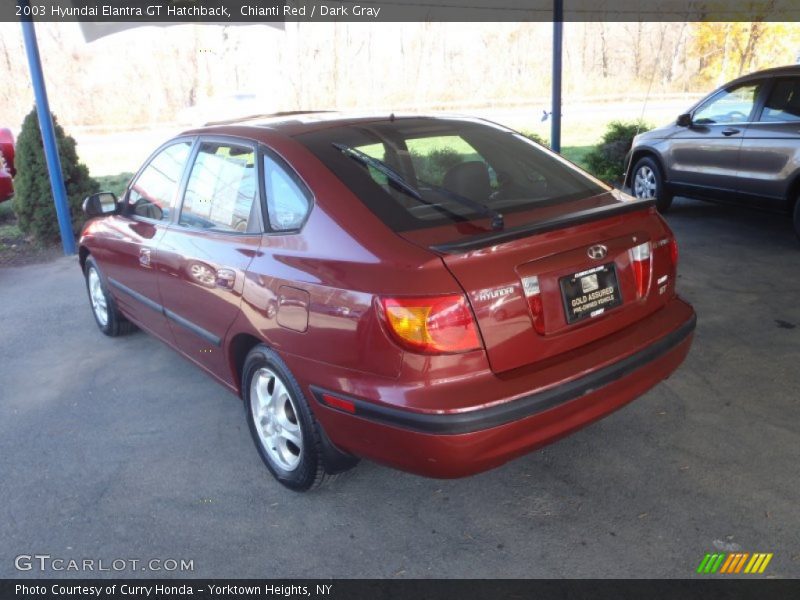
739	144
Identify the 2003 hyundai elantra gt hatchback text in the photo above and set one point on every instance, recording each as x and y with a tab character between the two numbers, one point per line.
436	294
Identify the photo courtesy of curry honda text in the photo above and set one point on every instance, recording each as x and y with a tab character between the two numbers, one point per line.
436	294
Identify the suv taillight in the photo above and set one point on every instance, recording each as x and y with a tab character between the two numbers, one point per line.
641	264
431	324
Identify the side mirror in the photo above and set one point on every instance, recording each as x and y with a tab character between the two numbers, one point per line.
102	203
684	120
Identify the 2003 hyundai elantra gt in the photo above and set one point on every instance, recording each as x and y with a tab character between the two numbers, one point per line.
437	294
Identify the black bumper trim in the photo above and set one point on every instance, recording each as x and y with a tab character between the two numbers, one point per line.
477	420
174	317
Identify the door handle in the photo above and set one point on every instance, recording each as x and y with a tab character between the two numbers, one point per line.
730	131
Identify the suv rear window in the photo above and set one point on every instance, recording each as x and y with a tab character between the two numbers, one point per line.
423	172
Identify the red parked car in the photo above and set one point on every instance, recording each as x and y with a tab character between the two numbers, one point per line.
6	164
439	295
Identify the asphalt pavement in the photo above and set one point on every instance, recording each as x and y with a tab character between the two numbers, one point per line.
119	449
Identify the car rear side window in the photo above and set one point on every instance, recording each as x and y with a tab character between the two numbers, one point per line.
152	194
288	199
221	190
783	103
418	172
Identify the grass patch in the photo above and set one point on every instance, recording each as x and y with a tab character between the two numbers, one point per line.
577	154
9	233
114	183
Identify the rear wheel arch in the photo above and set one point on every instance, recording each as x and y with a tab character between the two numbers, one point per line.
239	347
793	203
793	192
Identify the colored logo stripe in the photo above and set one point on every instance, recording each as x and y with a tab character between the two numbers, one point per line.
734	562
710	563
758	563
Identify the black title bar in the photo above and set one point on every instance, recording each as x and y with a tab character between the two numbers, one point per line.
270	11
416	589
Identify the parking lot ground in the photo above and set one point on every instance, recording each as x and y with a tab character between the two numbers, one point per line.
120	449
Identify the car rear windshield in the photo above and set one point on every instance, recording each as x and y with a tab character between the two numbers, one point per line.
424	172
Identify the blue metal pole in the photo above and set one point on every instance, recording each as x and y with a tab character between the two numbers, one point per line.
558	27
48	138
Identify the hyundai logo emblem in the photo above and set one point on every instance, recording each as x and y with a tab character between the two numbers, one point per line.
597	252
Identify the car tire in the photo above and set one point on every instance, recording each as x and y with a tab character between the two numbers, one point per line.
797	217
106	314
647	181
281	423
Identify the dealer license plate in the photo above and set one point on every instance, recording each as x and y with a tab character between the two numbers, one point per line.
590	293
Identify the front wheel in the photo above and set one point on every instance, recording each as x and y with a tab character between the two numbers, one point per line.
106	315
283	428
647	182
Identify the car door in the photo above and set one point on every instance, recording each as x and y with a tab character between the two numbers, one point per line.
127	257
203	257
770	154
705	155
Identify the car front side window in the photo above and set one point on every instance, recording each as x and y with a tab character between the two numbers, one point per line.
728	106
152	194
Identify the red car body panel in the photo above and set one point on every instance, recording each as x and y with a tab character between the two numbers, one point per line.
6	186
311	296
7	170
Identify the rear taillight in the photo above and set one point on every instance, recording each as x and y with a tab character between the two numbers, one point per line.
640	262
530	286
431	324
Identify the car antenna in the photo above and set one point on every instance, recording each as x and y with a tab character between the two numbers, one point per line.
644	107
391	118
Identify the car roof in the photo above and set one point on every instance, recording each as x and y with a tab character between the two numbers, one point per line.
787	70
293	123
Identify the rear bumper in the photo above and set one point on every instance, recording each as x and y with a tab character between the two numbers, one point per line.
454	444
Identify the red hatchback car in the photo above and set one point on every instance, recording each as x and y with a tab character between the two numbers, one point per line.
436	294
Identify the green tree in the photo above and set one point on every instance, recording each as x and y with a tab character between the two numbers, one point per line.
33	199
731	49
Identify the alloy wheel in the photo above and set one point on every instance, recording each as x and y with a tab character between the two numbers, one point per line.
644	183
276	419
98	298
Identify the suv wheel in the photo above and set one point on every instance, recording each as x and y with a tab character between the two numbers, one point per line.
648	182
283	428
797	217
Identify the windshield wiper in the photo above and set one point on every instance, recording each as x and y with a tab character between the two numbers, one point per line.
397	179
498	221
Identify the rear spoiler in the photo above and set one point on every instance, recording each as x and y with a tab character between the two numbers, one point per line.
482	240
